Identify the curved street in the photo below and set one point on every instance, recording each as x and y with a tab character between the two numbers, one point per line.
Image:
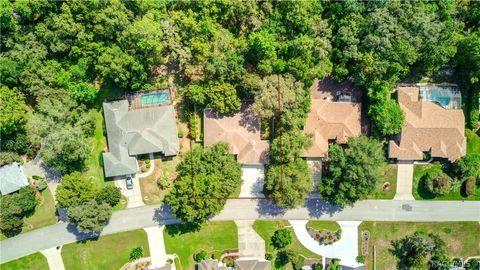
246	209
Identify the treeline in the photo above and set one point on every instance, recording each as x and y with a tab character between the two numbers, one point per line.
57	57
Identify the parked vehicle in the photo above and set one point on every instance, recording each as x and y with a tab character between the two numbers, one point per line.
129	182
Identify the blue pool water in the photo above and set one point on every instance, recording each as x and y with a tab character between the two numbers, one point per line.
155	98
444	101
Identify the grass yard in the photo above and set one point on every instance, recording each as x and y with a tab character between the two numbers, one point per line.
389	174
323	224
473	142
94	162
151	193
213	238
35	261
107	252
266	228
462	239
420	193
44	214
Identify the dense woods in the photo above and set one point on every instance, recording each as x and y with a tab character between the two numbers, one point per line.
59	60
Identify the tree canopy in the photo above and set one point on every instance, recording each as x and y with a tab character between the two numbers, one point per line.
351	172
200	194
75	189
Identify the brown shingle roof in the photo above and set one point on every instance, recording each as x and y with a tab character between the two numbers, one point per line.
241	131
331	121
428	127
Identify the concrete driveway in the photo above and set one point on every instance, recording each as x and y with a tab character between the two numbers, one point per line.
345	249
250	244
315	166
134	196
156	245
404	180
253	178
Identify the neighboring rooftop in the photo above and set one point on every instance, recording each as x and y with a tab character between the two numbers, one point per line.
137	132
332	120
12	178
252	264
210	264
241	131
429	127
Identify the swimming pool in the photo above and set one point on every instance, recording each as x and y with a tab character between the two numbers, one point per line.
155	98
447	97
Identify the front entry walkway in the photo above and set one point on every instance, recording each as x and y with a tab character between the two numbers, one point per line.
404	181
156	245
250	244
54	258
345	249
253	178
134	195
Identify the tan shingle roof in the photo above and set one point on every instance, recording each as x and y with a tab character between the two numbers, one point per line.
428	126
331	121
241	131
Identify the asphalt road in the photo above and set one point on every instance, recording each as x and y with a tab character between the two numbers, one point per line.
243	209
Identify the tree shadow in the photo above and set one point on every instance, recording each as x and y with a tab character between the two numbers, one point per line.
397	249
163	215
267	207
81	236
422	191
318	207
177	229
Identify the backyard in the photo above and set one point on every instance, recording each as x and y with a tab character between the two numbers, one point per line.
266	229
462	239
213	237
35	261
106	252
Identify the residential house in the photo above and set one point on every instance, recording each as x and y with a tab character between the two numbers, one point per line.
240	264
434	123
335	116
136	132
12	178
241	130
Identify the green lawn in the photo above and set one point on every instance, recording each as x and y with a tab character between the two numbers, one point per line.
420	193
107	252
323	224
213	238
266	228
389	174
44	214
94	162
462	239
473	142
35	261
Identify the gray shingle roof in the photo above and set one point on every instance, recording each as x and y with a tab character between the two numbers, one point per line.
137	132
12	178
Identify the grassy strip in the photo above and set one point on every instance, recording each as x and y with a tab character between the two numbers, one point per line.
462	239
106	252
323	224
266	229
213	238
35	261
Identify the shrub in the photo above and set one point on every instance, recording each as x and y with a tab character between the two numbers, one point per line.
41	184
109	194
181	133
318	266
467	166
437	182
470	186
281	238
472	264
268	256
136	253
9	157
162	182
360	259
200	256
